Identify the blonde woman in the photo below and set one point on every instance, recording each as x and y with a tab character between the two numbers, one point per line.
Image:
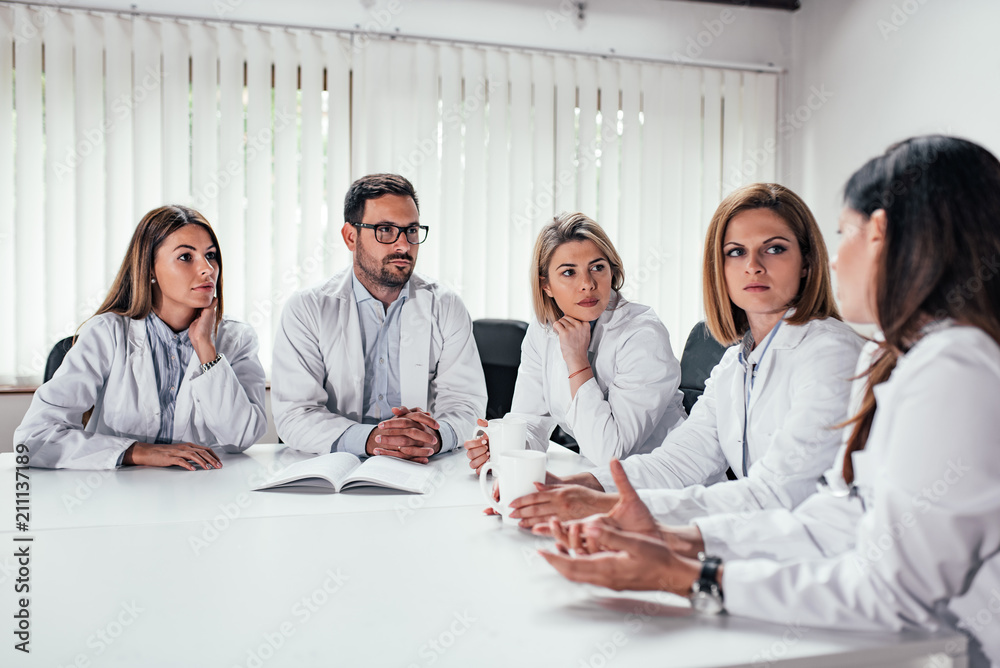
770	404
166	374
592	363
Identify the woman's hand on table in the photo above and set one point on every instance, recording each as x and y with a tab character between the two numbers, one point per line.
185	455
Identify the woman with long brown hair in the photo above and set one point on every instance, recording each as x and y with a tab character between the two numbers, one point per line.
919	257
166	375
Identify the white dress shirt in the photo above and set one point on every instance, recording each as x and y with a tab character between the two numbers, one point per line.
629	405
927	545
110	368
318	374
801	391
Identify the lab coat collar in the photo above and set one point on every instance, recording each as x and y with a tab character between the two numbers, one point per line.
415	335
362	294
788	336
612	317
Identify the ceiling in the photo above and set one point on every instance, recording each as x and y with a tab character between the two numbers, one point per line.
788	5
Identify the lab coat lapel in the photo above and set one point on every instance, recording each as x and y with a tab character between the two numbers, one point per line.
353	381
414	346
786	337
141	363
182	410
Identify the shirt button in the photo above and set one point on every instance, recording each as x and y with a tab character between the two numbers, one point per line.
381	360
379	397
172	389
173	357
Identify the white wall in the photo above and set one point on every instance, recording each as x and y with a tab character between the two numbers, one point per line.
892	69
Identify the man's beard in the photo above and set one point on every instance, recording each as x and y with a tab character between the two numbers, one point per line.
383	274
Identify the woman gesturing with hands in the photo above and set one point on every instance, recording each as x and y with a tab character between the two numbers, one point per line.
598	366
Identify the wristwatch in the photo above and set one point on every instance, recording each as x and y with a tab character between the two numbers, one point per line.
706	595
208	365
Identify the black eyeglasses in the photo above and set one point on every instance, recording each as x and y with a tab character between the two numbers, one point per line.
387	234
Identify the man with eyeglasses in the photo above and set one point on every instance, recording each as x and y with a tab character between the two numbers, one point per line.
377	360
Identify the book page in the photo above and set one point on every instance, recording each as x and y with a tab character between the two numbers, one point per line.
392	472
328	470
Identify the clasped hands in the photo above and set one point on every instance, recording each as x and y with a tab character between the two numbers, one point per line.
412	434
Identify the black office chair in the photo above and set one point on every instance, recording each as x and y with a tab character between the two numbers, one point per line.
701	354
499	343
56	357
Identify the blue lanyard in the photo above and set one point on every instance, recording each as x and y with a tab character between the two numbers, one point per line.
749	374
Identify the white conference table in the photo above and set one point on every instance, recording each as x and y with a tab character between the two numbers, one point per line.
143	572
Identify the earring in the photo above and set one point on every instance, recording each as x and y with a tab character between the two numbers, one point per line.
152	280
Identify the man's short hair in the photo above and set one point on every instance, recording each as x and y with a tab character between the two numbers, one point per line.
374	186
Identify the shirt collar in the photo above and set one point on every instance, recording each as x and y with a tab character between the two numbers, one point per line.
163	333
361	293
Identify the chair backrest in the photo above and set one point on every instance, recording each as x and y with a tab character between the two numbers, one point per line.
499	343
56	357
701	354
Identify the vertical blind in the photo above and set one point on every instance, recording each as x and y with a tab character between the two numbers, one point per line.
104	117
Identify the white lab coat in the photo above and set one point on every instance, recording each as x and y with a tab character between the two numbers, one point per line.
927	545
631	403
318	373
823	525
801	391
110	368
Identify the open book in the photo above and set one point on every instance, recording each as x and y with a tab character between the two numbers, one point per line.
342	470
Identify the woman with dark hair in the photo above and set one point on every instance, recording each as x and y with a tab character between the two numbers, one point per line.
920	238
166	375
770	403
